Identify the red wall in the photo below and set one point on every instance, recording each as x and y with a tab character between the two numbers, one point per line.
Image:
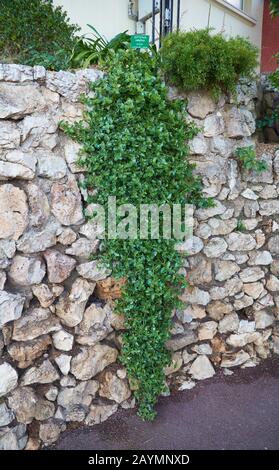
270	40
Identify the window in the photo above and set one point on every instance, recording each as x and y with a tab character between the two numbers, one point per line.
237	4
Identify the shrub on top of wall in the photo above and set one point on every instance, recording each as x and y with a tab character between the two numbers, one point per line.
200	60
35	32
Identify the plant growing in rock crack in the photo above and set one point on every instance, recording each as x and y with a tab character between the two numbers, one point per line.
134	148
240	226
248	159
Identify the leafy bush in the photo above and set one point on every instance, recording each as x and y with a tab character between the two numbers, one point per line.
248	159
35	32
134	148
93	50
199	60
274	7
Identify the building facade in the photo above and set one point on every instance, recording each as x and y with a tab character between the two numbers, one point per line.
248	18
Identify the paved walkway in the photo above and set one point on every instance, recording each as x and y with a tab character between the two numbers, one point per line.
236	412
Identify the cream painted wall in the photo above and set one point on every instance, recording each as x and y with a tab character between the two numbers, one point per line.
111	17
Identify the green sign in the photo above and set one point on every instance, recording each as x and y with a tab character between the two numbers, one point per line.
140	41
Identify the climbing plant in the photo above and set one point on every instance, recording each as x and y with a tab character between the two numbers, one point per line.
134	148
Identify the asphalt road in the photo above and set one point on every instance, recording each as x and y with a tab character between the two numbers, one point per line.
235	412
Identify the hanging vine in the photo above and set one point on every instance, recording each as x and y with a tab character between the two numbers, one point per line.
134	143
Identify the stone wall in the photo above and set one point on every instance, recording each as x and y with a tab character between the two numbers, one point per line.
59	341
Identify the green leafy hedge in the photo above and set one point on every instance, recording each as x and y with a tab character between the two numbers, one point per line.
200	60
134	148
35	32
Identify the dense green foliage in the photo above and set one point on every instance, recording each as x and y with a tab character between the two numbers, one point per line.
248	159
35	32
93	50
274	7
134	148
200	60
272	118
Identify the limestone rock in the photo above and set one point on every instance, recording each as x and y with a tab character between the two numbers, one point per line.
93	271
26	271
216	310
273	245
202	368
63	361
27	406
13	438
229	323
35	322
47	295
71	150
8	378
200	104
240	340
241	242
199	145
207	330
16	101
59	266
7	251
192	246
213	125
67	237
92	360
50	431
9	135
251	275
43	374
15	171
75	401
3	278
201	271
254	290
244	302
113	388
222	227
13	212
234	359
66	202
11	306
263	319
239	122
83	248
260	258
94	326
38	205
71	308
204	214
34	241
273	284
99	413
63	340
215	247
39	130
269	208
181	341
194	295
224	270
6	415
26	352
51	166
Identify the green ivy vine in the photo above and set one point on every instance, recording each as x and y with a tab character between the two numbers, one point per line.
134	147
